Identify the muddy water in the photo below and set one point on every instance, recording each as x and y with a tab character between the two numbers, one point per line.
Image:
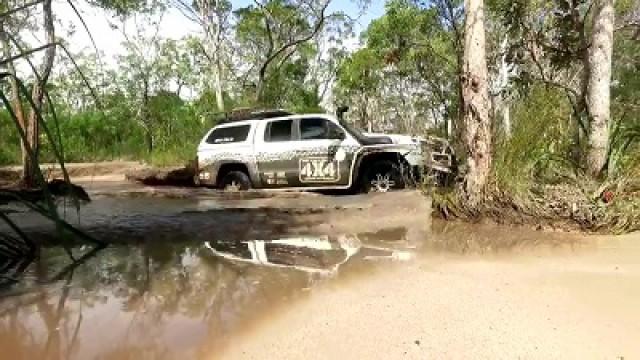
182	278
166	300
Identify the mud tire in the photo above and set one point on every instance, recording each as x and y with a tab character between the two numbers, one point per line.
238	178
383	176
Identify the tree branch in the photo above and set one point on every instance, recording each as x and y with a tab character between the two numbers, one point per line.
317	27
19	8
188	11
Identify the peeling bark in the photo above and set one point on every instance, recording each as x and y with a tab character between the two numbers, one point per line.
477	104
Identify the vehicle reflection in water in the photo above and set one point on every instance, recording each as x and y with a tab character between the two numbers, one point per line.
314	255
167	300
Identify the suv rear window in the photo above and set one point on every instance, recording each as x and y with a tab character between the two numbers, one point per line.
279	131
229	134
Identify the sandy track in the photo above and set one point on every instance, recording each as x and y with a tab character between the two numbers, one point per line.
566	305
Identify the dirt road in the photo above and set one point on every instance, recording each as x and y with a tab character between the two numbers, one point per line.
567	302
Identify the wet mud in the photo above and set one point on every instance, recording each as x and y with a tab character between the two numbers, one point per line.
182	272
195	274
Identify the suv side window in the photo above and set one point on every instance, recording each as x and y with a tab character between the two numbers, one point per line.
280	130
229	134
318	128
314	128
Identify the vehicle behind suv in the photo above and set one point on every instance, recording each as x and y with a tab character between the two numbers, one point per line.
277	149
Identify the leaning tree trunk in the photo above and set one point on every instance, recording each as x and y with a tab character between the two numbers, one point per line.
477	105
599	86
32	125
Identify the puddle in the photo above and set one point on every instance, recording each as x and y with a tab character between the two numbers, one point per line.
181	277
170	299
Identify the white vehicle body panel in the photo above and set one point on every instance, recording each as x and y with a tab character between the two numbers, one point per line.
310	164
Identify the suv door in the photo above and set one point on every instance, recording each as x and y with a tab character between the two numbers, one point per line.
323	154
275	155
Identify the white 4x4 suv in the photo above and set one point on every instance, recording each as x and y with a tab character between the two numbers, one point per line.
276	149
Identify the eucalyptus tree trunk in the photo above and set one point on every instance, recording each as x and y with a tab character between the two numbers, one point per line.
32	126
476	105
217	81
212	23
599	86
216	50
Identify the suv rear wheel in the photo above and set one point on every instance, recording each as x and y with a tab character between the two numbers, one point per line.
383	176
235	181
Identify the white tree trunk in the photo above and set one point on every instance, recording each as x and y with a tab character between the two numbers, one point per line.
599	85
217	64
477	104
212	22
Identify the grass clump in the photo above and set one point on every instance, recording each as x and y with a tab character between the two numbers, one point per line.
536	179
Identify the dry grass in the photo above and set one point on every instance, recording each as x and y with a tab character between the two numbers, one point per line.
565	206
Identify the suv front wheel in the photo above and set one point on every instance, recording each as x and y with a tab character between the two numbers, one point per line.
383	176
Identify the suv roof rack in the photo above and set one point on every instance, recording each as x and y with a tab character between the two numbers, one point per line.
251	114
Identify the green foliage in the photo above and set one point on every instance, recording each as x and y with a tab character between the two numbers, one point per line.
360	72
91	136
625	141
10	146
539	148
272	38
111	133
410	62
286	87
